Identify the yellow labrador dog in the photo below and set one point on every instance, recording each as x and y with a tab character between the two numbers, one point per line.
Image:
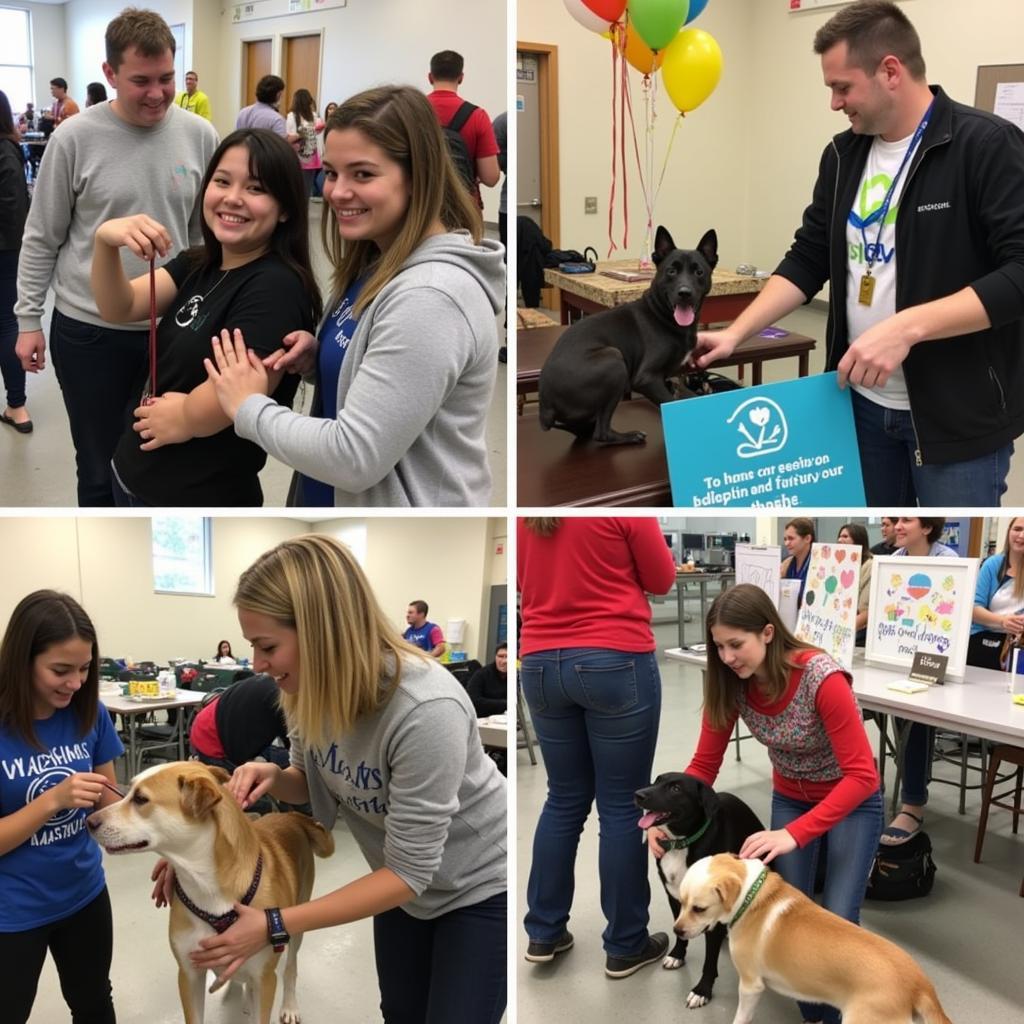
781	939
220	857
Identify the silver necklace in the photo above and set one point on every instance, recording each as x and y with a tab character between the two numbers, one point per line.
191	308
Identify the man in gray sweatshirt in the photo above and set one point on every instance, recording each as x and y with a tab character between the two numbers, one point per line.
138	154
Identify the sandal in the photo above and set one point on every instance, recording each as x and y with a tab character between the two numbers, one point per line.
893	836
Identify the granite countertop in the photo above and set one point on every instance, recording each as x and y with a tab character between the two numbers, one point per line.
607	291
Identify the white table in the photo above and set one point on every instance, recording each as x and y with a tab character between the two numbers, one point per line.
493	735
132	709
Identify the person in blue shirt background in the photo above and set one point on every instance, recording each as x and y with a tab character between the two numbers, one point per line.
426	635
57	748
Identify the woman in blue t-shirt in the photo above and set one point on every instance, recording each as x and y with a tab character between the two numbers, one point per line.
57	748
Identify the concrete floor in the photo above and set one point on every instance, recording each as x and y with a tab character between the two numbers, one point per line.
38	469
966	933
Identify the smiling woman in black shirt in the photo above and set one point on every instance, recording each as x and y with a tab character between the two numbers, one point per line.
252	274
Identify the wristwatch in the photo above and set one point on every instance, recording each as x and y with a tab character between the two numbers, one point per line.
276	930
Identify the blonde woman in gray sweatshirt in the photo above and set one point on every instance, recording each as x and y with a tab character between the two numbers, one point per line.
406	356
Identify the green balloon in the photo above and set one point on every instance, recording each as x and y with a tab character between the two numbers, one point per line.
657	21
831	583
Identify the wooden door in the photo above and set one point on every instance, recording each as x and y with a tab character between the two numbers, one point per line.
301	63
256	54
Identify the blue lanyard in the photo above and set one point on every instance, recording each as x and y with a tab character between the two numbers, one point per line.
880	214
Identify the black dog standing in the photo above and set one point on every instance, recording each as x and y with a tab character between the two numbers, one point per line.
633	347
700	823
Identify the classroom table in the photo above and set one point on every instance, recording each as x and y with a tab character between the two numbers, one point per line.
493	735
132	709
533	347
590	293
702	578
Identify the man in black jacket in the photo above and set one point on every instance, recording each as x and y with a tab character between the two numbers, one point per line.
935	355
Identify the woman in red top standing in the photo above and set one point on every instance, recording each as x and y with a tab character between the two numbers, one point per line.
591	679
798	702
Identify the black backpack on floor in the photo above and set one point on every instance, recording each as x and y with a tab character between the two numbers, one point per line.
902	872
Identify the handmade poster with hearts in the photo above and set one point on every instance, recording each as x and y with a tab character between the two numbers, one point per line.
828	614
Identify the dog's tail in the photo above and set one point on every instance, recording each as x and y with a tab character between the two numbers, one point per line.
321	841
928	1009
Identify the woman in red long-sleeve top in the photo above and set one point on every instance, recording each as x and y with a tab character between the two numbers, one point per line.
799	702
591	679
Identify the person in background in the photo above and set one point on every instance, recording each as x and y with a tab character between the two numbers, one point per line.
87	179
224	652
27	119
590	676
887	545
798	537
488	686
13	211
264	113
855	533
58	747
193	98
304	123
998	617
918	538
405	355
318	185
427	636
95	92
799	703
63	105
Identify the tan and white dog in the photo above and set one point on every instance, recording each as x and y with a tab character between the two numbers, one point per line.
781	939
182	811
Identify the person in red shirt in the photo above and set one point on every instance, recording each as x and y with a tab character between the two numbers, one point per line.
478	133
590	677
799	702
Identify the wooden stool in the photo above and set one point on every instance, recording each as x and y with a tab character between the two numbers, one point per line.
1014	755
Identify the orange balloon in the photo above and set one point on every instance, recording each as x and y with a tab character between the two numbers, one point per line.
639	54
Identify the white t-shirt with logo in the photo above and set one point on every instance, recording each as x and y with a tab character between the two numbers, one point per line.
883	163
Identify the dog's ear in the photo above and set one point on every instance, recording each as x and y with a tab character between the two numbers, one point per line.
218	773
663	245
709	800
198	795
708	248
728	889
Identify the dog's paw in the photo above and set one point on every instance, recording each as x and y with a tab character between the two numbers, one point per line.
695	1002
673	963
289	1015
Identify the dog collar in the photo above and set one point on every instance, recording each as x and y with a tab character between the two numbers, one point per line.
685	841
224	921
749	898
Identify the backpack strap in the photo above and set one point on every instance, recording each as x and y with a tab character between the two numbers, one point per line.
462	115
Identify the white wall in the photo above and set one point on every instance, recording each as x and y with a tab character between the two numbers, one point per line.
49	52
105	563
745	161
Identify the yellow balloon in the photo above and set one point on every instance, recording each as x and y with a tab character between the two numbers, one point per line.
691	68
639	54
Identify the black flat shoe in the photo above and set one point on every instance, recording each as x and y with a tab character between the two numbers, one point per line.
21	428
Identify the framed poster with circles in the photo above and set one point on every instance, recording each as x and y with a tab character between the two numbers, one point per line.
921	604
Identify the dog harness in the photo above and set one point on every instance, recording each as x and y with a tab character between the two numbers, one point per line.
749	898
685	841
224	921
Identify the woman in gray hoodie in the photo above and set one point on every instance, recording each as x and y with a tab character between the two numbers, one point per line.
407	353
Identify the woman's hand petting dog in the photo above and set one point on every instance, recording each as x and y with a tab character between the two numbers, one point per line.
654	837
251	780
226	952
766	846
163	875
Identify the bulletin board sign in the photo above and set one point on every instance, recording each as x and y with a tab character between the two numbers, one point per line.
920	604
999	89
828	615
759	564
773	446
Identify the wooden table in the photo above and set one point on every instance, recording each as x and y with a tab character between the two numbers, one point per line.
590	293
132	709
534	346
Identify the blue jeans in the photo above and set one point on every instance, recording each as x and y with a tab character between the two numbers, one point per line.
887	444
916	755
852	844
596	716
449	968
10	364
100	372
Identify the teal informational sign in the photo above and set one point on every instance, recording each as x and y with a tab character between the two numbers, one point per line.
774	446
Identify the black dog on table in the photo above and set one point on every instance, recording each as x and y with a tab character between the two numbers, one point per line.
633	347
700	823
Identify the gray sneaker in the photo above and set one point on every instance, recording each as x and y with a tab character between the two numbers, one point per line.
544	952
624	966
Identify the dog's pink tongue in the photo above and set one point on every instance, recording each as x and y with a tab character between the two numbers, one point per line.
684	315
649	819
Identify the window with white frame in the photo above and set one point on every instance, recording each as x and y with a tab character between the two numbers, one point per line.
182	555
16	58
